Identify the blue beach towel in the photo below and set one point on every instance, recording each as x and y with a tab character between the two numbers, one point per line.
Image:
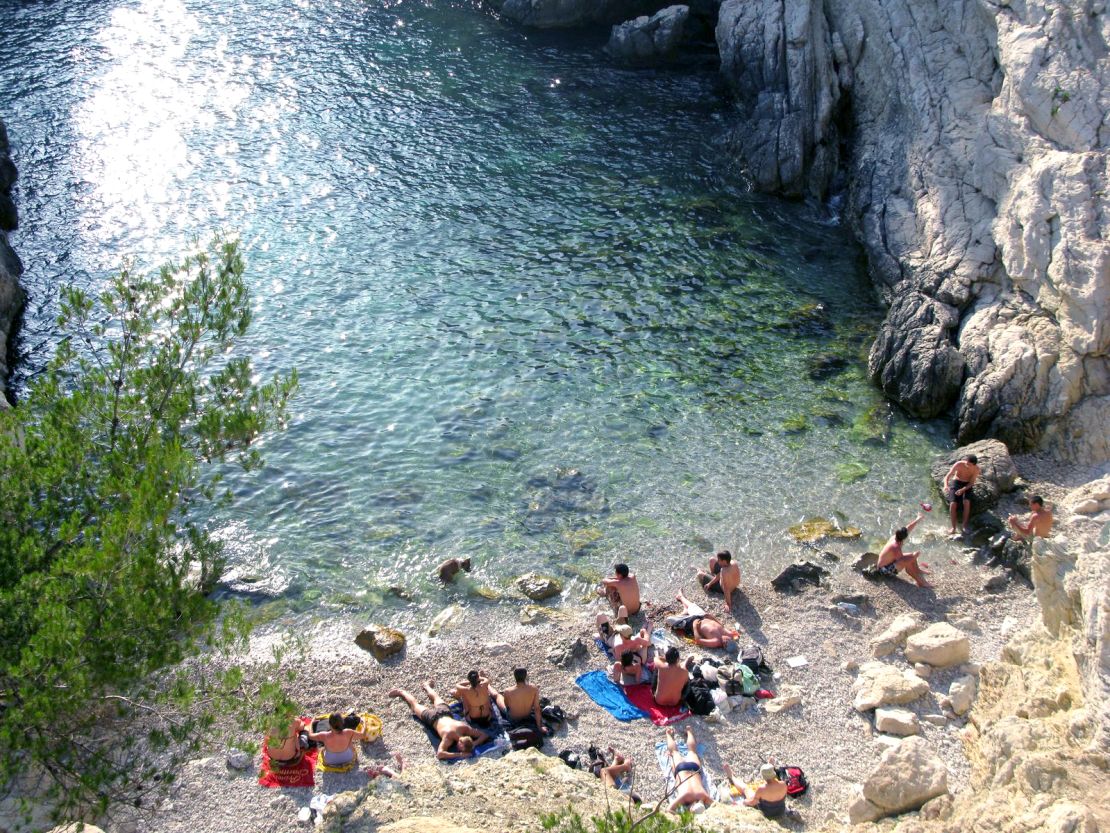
664	759
609	696
498	742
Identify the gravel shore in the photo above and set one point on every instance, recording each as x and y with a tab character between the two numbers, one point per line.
824	735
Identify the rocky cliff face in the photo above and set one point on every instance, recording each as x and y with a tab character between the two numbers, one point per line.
974	135
11	296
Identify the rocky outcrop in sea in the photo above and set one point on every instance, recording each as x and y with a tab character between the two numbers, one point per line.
973	138
970	142
11	295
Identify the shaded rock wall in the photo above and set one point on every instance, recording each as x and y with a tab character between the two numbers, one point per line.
11	296
976	137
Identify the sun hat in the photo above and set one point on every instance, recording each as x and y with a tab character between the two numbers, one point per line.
768	773
625	631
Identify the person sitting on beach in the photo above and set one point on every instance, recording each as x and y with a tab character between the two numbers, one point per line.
285	748
1040	520
706	630
958	483
622	591
770	797
521	701
338	742
723	576
438	718
892	558
689	790
671	678
630	670
474	693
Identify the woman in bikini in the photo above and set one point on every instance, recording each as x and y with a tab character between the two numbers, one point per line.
689	790
338	742
285	750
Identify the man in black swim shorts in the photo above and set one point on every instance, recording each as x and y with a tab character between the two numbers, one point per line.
958	483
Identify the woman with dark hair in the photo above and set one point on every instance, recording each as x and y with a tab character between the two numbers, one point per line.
474	693
338	742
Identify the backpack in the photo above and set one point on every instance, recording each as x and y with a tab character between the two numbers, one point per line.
795	780
523	737
699	698
753	658
738	679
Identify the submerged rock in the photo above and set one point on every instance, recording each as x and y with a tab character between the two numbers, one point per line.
814	529
382	642
539	587
825	365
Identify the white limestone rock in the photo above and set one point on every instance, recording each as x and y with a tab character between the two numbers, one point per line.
900	722
961	694
905	778
881	684
940	645
894	635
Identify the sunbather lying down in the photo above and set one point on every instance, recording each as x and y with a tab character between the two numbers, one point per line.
689	791
452	733
611	774
706	630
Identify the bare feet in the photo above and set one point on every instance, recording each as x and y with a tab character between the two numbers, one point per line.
670	731
400	761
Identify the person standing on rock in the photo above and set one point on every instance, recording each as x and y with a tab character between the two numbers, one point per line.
623	592
723	576
1040	520
892	558
438	718
958	483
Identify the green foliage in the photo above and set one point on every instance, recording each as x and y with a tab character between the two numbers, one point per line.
104	565
619	821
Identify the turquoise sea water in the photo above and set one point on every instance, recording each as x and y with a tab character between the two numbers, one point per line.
538	318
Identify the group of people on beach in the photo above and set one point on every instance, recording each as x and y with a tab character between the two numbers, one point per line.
461	733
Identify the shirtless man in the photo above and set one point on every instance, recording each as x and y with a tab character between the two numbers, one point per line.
670	679
706	630
438	718
474	693
521	701
723	576
688	786
622	591
958	483
285	750
892	558
1040	520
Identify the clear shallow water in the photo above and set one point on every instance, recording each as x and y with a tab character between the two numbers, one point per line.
537	319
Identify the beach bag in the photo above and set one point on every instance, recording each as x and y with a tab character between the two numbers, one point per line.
743	681
699	698
571	758
794	778
552	713
753	658
523	737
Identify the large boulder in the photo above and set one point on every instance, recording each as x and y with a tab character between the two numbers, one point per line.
997	473
380	641
906	776
939	645
1089	499
914	358
539	587
894	635
880	684
649	40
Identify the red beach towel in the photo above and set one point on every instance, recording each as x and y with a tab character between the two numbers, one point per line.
641	697
301	775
